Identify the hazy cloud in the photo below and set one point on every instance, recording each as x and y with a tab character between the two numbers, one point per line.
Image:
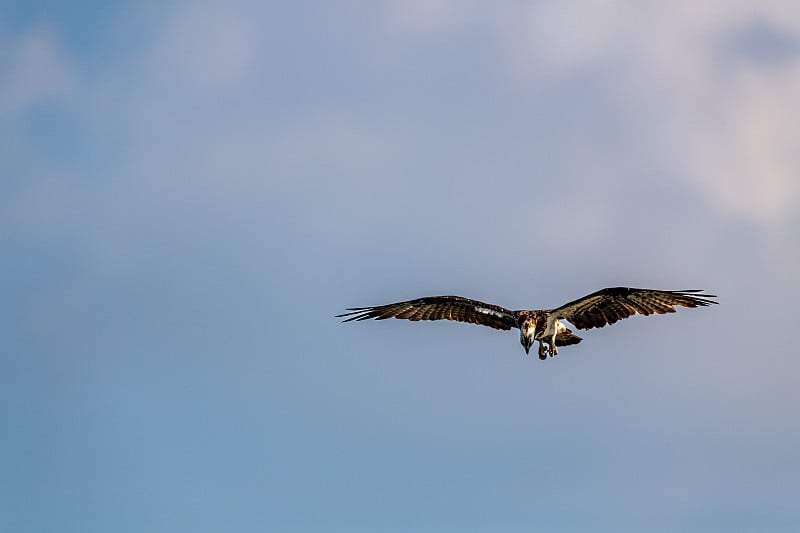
723	127
205	47
36	70
429	17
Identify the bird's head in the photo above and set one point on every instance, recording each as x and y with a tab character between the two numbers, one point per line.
527	330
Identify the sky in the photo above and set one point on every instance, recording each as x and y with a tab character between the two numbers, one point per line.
192	190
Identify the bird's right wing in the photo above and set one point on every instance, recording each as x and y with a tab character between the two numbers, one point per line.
438	308
607	306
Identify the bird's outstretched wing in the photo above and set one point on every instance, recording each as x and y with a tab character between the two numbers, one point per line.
607	306
438	308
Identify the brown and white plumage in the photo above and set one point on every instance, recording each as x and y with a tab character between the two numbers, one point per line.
439	308
595	310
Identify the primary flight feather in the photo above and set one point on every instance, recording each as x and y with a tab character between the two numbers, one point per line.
595	310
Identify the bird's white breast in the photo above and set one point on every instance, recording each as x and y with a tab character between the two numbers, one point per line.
554	327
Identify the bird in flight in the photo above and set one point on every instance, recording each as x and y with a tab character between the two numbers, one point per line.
595	310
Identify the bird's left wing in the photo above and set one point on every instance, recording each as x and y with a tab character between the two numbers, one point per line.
438	308
607	306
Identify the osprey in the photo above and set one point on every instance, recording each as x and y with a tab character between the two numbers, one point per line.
603	307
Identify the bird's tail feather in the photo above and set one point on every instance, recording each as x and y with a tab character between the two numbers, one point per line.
566	337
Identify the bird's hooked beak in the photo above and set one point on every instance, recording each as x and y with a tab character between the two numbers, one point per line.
526	342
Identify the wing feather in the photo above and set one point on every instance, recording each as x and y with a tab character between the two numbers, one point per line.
454	308
610	305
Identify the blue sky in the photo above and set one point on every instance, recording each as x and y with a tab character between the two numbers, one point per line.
191	191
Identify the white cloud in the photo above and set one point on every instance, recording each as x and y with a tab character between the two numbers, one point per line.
744	153
556	37
205	47
37	70
427	16
726	128
342	146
